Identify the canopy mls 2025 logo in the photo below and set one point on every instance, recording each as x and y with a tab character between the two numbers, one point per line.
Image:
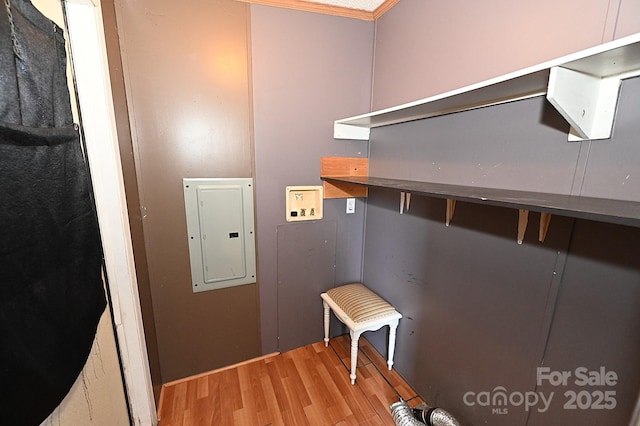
596	395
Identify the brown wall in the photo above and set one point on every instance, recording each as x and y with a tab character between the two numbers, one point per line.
187	80
131	188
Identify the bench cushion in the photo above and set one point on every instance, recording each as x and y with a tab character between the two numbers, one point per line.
360	303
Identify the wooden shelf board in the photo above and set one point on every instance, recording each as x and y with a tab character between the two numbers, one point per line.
604	210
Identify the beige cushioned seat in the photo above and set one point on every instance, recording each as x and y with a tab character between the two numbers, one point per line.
361	310
359	303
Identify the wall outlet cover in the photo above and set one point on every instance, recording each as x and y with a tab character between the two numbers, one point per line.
351	205
303	203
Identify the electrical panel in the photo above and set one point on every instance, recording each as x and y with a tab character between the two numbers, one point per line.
220	231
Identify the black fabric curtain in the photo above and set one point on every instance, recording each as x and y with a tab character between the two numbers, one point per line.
51	288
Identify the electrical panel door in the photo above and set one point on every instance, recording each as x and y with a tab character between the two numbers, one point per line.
220	232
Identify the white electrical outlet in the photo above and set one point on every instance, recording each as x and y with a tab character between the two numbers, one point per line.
351	205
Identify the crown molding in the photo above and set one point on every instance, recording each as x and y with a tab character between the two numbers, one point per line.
326	9
384	8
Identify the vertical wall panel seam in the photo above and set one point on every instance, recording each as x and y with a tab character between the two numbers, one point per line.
373	63
611	21
252	148
581	167
550	308
366	199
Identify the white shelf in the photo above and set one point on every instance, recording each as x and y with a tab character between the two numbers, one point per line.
583	87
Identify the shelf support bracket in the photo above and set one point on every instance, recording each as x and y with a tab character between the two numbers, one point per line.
545	219
587	102
451	208
405	201
523	220
344	166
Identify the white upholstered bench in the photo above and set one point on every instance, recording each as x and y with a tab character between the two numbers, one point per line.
361	310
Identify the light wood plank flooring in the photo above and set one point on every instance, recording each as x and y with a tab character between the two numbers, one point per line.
305	386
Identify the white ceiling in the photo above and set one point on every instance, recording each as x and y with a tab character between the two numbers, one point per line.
368	5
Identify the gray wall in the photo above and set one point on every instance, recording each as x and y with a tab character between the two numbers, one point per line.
482	311
426	47
308	69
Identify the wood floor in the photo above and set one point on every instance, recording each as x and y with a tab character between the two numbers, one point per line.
305	386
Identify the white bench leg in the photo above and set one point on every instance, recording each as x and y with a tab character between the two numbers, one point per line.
354	355
326	322
392	342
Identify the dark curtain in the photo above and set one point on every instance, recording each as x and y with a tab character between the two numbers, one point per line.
51	288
